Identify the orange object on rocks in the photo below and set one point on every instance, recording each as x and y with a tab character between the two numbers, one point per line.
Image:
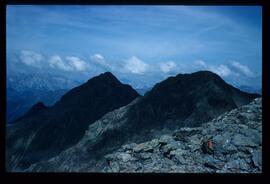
210	144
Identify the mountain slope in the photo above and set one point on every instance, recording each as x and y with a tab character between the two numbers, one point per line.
45	133
18	103
193	98
184	100
237	147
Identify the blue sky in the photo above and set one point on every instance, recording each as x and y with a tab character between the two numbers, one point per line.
139	44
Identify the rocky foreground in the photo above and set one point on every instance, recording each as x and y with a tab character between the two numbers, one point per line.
236	147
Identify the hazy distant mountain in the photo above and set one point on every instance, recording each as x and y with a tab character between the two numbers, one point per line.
28	85
142	91
250	89
19	102
53	129
184	100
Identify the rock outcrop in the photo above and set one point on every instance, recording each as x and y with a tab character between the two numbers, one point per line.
237	147
236	137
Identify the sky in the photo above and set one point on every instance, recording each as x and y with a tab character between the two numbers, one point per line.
141	45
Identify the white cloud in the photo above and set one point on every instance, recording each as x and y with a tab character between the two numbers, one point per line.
98	56
167	66
221	70
56	62
73	63
200	63
135	65
234	68
100	60
31	58
77	64
242	69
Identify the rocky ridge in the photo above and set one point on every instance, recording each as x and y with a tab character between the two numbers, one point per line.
186	100
237	147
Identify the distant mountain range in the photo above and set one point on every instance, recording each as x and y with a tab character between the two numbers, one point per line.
103	114
250	89
19	102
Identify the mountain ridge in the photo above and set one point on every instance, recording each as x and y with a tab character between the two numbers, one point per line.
169	105
66	121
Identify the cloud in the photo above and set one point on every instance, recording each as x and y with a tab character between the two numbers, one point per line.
56	62
98	56
72	63
242	69
77	64
135	65
221	70
100	60
200	63
167	66
234	68
31	58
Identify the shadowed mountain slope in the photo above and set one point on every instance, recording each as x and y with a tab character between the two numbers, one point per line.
186	100
44	132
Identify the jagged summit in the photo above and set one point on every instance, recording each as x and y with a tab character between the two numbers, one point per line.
95	87
104	76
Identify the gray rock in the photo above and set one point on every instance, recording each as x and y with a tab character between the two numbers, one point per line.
213	163
253	135
145	155
241	140
148	146
115	167
229	149
236	143
129	146
257	159
165	139
169	147
183	133
125	157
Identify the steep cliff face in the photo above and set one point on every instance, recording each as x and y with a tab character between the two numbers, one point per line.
174	103
236	139
44	132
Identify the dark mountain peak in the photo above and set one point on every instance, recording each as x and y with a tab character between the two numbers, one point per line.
190	82
39	106
200	75
187	98
36	108
69	117
107	76
99	86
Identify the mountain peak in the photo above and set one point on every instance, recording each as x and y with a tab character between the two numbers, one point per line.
70	116
203	74
33	110
107	76
36	107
